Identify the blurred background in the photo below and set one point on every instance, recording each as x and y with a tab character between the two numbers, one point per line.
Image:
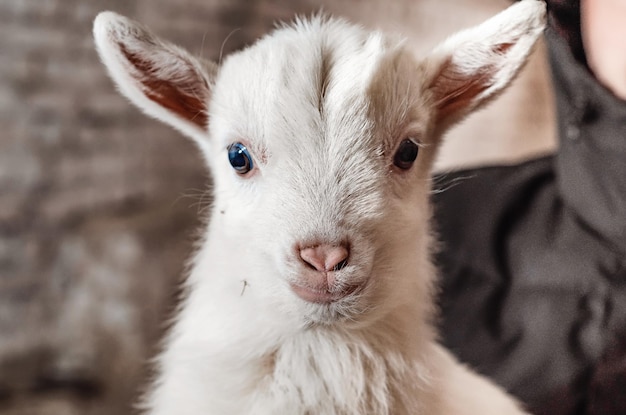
99	204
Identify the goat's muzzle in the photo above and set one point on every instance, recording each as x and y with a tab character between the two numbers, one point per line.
318	282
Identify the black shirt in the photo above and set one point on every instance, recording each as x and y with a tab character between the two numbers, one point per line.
533	257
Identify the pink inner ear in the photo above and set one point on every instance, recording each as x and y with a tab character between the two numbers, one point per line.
171	95
454	91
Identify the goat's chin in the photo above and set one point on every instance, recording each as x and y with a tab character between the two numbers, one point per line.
332	314
350	312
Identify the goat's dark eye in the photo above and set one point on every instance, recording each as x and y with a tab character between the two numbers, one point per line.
406	154
240	158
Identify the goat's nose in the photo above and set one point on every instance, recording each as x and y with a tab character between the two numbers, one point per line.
325	258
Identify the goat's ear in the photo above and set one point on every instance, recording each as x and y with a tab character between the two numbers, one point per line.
472	67
163	80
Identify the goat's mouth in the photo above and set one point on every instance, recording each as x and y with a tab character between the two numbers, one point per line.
322	295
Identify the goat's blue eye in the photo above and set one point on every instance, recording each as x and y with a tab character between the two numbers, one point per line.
240	158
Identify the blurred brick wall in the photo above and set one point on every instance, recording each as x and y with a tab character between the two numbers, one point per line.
98	204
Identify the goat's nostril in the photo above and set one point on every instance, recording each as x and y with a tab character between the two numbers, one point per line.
325	258
340	265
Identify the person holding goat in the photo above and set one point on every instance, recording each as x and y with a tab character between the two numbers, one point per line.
535	286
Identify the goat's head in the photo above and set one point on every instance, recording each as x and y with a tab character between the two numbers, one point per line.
320	139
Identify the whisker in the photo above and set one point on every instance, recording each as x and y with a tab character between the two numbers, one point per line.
224	43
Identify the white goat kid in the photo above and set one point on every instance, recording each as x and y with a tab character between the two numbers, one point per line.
312	292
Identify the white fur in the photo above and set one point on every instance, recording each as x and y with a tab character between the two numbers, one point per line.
322	105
